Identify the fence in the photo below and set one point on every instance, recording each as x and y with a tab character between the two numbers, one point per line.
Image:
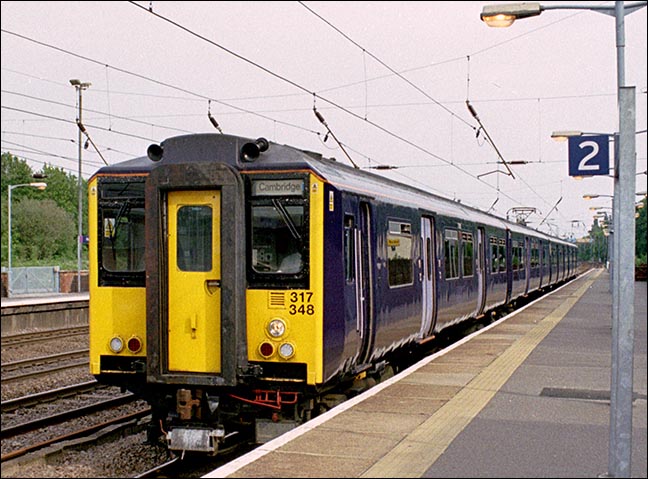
34	280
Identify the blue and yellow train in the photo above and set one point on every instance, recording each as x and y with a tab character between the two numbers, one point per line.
239	285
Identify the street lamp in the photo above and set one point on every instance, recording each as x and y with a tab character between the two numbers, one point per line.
565	135
592	196
620	449
501	16
38	185
80	87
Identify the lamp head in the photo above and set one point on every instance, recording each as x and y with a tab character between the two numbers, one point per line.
500	16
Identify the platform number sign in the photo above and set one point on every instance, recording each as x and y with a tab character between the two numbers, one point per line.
589	155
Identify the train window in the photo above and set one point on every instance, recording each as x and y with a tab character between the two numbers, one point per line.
194	251
451	244
277	237
121	231
494	256
122	242
277	231
399	253
467	254
349	249
516	250
502	255
535	258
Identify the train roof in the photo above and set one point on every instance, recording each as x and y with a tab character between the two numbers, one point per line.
137	165
208	147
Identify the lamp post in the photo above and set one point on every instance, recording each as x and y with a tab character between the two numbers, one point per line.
40	186
79	87
620	450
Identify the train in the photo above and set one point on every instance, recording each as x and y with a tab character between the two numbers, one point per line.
242	287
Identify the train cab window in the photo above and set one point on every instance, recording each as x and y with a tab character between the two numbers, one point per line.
399	253
121	231
467	254
451	244
278	229
277	233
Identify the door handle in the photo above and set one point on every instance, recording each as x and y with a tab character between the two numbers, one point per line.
212	285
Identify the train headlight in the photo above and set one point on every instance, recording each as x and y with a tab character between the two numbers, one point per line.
286	350
134	344
276	328
116	344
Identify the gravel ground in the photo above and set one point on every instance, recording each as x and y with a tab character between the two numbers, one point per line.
125	457
14	389
44	348
119	457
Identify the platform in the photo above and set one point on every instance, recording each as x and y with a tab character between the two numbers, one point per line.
528	396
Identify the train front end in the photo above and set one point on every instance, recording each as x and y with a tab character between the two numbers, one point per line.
233	293
117	286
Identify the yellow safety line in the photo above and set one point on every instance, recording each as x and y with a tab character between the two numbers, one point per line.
418	451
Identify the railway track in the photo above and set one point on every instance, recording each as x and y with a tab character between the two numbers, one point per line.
29	425
121	421
43	365
40	336
42	410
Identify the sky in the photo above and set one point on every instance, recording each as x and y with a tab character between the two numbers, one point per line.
392	80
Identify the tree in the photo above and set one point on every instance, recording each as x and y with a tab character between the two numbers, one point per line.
42	231
597	248
14	172
62	192
62	188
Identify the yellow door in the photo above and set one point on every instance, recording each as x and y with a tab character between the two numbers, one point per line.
194	281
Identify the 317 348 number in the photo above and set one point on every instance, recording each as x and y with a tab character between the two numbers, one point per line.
300	303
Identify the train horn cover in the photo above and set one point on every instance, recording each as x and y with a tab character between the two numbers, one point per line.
251	151
154	152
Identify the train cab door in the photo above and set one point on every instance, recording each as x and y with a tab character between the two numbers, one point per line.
480	264
428	277
364	285
194	294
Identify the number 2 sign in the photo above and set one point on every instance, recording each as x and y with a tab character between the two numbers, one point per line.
589	155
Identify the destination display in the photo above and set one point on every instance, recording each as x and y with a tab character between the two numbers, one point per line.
292	187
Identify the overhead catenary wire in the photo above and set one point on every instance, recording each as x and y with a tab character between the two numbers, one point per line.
304	89
90	110
47	137
321	111
85	132
157	82
254	113
398	74
488	137
323	122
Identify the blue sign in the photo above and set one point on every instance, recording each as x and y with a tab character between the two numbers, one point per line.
589	155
